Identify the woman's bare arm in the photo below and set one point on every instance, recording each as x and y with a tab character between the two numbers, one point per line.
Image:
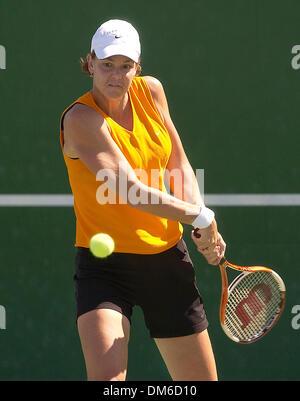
210	243
178	161
87	134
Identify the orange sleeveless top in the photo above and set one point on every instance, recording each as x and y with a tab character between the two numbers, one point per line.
146	147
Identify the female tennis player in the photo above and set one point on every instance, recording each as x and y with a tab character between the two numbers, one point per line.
114	138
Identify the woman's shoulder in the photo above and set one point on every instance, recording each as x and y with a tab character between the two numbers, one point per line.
156	88
81	112
153	83
80	121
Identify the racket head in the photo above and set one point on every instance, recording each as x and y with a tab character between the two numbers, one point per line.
252	304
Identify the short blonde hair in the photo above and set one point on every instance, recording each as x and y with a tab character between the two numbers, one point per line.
85	66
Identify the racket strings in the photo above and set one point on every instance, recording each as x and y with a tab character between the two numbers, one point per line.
252	305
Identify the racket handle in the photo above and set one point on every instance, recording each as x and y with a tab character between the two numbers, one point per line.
196	233
223	260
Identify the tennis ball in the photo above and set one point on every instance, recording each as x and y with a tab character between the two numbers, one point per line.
102	245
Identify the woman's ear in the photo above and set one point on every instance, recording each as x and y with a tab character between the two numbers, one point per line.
138	68
90	64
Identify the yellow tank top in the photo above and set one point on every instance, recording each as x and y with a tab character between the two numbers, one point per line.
146	147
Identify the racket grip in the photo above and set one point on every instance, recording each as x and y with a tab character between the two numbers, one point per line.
196	233
222	261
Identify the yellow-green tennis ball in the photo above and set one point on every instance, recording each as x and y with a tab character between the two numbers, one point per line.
102	245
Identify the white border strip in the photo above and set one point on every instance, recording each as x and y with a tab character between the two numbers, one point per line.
54	200
36	200
253	200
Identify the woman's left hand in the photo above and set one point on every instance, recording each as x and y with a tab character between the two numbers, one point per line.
214	253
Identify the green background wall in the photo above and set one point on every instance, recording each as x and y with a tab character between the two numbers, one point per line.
234	97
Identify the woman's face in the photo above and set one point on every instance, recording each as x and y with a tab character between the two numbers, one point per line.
112	75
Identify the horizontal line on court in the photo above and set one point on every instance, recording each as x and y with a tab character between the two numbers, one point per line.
36	200
253	200
60	200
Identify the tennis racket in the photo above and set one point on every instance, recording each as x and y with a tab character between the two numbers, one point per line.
252	304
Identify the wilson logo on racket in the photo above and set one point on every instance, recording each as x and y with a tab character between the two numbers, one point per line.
254	302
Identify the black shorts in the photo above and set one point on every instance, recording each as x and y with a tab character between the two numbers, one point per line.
163	285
